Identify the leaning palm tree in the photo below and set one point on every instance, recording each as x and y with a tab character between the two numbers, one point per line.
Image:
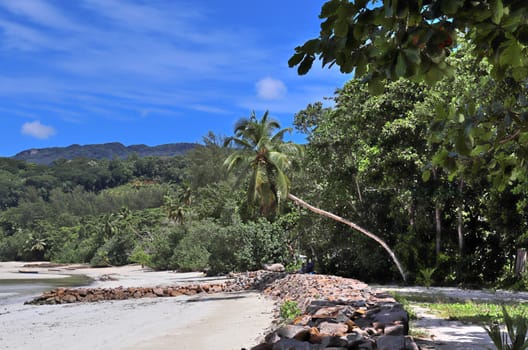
262	150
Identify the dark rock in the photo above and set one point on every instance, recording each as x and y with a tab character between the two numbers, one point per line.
397	329
391	342
292	344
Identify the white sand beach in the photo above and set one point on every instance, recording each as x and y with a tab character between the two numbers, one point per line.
220	321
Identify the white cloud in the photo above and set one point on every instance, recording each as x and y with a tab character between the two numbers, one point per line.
270	89
38	130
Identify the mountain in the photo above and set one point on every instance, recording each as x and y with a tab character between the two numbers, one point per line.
111	150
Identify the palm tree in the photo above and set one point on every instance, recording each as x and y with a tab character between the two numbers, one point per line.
267	155
263	151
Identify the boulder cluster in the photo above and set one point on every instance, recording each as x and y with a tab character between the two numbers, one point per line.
336	313
73	295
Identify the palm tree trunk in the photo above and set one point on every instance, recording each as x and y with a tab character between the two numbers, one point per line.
460	220
302	203
438	219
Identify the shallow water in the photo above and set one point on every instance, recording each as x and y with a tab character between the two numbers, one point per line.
21	290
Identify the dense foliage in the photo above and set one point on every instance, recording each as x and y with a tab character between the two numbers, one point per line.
376	160
386	40
166	213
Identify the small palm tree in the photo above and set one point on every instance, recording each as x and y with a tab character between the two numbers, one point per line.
261	149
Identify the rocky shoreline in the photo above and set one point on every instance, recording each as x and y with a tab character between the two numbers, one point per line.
336	313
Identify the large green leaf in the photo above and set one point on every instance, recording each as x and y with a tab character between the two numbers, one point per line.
497	11
341	27
511	54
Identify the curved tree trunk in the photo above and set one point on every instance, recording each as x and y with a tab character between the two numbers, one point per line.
369	234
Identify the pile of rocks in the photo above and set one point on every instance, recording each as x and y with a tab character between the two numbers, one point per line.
337	313
72	295
259	280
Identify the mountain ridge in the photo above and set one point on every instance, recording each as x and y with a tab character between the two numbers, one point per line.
48	155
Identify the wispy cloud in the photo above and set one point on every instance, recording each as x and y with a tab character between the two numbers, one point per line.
209	109
40	12
38	130
22	37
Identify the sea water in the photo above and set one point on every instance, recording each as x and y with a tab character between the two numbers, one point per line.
13	291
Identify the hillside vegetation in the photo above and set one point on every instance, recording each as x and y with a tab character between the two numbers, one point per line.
112	150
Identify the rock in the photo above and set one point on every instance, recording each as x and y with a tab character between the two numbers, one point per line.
333	341
69	298
302	320
294	332
158	291
391	342
327	312
333	328
397	329
391	314
272	337
353	339
292	344
274	267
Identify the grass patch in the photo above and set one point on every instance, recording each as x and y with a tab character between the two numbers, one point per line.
478	313
481	313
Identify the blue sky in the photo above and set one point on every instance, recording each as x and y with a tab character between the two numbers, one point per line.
150	71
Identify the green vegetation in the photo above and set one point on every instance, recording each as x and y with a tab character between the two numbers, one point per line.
515	337
476	312
425	276
289	310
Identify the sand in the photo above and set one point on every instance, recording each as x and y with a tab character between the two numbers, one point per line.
221	321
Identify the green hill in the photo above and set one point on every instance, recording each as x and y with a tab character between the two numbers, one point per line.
101	151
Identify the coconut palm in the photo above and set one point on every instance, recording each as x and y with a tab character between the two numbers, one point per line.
262	150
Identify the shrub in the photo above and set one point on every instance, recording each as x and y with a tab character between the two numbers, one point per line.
247	246
425	277
289	310
190	255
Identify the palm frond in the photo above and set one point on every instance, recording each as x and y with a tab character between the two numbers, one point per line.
278	137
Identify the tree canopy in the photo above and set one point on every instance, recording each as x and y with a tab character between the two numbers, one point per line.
411	39
482	123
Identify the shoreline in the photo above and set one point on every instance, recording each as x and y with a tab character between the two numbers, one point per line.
221	321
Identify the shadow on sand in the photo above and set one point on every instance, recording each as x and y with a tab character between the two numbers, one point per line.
220	297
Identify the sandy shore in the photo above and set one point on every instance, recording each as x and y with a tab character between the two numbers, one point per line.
221	321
